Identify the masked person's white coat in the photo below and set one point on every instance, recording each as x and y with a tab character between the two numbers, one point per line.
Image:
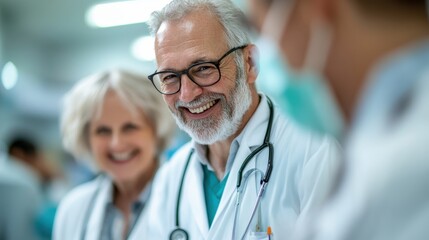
304	165
385	189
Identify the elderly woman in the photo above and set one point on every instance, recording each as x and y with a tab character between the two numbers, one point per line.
118	120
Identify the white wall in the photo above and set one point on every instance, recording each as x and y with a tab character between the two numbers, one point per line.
70	62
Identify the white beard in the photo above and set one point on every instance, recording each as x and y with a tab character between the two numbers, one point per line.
217	128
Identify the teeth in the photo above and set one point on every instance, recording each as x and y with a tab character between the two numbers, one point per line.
121	156
202	108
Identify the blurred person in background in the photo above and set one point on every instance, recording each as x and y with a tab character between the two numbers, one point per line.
248	171
119	123
19	206
21	194
23	149
364	63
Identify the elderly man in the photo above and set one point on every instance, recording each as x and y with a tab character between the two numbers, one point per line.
248	171
372	59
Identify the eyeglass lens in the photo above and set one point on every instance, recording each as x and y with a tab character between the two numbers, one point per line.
204	74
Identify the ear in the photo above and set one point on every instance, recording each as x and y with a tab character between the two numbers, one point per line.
251	56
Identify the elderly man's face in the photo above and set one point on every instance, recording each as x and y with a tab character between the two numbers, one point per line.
208	114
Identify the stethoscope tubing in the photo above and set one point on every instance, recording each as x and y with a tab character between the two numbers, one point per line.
255	207
263	183
179	196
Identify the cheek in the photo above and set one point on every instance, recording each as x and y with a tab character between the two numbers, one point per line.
149	145
97	146
170	100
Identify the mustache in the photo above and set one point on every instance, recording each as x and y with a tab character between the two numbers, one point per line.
199	101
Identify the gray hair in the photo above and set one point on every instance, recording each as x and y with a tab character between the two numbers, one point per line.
85	99
230	17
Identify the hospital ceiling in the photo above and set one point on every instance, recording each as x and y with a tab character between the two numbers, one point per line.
56	21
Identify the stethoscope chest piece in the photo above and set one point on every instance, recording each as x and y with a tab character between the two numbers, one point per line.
179	234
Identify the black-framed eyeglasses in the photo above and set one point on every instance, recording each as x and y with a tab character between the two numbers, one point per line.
203	74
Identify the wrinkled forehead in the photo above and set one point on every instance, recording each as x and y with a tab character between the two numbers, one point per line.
198	35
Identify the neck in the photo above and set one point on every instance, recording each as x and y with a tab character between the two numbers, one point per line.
126	193
359	45
218	152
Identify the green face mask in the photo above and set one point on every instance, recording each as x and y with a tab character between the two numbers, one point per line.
303	95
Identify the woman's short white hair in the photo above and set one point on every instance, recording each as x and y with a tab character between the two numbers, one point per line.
84	101
229	16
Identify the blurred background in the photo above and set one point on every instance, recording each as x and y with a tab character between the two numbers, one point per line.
46	46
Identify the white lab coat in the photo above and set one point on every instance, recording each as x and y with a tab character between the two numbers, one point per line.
73	212
304	165
385	188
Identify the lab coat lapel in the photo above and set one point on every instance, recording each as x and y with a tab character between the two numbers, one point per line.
93	229
224	218
253	136
230	187
194	196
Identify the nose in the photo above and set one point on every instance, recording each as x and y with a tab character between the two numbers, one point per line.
189	90
116	141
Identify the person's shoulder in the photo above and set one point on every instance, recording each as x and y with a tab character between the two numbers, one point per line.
80	195
180	157
72	208
172	168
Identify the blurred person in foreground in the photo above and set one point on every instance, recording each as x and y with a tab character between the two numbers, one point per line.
364	63
21	191
206	74
119	123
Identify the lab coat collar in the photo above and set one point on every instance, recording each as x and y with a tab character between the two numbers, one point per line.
103	196
201	152
252	136
102	192
142	199
194	194
257	125
258	122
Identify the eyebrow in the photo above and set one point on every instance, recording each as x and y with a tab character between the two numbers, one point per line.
196	61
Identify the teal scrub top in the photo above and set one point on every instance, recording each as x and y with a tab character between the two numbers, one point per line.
213	190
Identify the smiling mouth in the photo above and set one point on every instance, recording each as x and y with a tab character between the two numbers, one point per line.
123	157
202	108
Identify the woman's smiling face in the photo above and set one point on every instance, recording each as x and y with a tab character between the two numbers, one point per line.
123	143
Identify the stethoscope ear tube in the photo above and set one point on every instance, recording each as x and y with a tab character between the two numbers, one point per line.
270	163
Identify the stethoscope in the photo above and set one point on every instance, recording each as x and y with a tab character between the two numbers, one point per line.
181	234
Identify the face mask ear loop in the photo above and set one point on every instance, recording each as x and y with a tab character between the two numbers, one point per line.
318	48
277	18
